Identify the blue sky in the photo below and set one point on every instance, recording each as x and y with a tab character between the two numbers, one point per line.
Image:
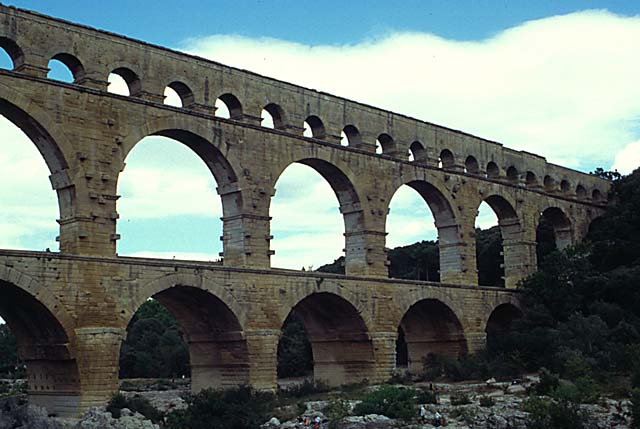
557	78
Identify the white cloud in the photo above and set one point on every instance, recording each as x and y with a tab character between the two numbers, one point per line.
564	87
628	159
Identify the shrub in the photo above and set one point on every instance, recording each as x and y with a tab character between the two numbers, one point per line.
427	397
135	404
229	409
460	399
545	414
307	388
390	401
487	401
547	384
635	378
337	410
468	415
635	408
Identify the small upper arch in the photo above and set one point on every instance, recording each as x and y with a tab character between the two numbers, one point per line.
565	186
417	151
351	136
581	192
531	179
493	171
129	78
72	63
513	175
228	106
184	93
315	127
273	116
13	50
386	143
597	196
447	160
549	183
471	165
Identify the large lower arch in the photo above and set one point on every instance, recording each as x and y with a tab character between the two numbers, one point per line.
342	349
213	327
449	244
46	343
350	207
431	327
500	323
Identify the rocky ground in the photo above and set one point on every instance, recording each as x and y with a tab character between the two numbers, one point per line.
15	413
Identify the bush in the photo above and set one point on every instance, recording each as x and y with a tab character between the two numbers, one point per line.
635	408
427	397
337	410
307	388
635	378
545	414
135	404
487	401
229	409
390	401
460	399
547	384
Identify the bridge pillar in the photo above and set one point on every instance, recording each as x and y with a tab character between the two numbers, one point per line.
457	255
365	254
218	361
98	352
246	241
519	251
262	346
384	349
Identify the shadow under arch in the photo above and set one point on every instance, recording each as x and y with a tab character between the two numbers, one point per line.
500	322
342	184
450	258
430	326
342	349
46	343
212	324
560	224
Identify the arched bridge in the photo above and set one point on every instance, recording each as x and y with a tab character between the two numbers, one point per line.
69	310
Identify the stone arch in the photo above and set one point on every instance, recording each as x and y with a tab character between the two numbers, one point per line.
581	192
131	78
184	92
447	159
515	253
430	326
13	50
342	349
353	136
316	127
500	321
493	171
565	186
561	224
531	179
471	165
277	114
212	323
434	194
191	135
72	63
386	143
341	181
418	151
549	183
45	337
597	196
48	137
234	106
513	175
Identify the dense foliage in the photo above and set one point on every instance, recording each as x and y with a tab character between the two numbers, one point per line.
582	308
230	409
154	347
8	352
294	349
393	402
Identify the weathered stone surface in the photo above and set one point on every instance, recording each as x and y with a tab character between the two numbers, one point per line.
80	300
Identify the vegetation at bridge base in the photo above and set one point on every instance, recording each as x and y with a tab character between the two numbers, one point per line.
295	358
229	409
154	347
8	353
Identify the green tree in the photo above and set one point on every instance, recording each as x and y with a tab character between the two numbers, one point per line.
8	350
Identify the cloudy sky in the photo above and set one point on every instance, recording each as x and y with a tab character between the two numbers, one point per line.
560	79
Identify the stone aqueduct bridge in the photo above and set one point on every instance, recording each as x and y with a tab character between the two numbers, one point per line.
69	310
